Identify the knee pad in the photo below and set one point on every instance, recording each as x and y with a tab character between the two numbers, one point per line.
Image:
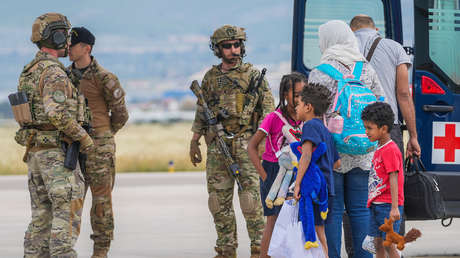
102	191
248	203
213	203
99	209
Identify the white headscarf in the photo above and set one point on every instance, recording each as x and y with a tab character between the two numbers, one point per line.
338	42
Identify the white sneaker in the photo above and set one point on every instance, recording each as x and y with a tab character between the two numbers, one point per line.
368	244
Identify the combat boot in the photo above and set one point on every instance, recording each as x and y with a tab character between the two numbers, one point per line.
100	249
100	252
71	254
225	253
255	251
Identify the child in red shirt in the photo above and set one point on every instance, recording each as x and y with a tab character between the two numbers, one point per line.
386	178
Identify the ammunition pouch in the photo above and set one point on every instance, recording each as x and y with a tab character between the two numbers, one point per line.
39	138
229	103
20	107
247	113
22	113
48	139
240	97
238	106
83	112
23	135
35	139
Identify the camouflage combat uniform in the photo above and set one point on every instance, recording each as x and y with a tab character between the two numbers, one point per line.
56	192
108	115
229	91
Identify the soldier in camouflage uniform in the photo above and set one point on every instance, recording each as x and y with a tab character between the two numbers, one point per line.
108	115
225	87
56	192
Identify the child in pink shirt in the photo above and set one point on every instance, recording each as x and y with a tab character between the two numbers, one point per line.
386	178
271	129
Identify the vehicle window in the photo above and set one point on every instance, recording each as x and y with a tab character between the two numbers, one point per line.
444	35
318	12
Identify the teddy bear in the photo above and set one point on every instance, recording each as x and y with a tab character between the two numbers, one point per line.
395	238
287	162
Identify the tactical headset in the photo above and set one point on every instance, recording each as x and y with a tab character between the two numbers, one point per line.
57	38
215	48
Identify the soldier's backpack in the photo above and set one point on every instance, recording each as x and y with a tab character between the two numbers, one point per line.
351	98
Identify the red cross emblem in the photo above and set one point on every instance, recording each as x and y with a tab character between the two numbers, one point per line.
449	142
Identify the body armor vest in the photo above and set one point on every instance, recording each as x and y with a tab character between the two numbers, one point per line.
41	132
229	94
31	82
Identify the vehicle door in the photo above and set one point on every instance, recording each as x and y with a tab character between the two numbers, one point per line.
436	93
430	30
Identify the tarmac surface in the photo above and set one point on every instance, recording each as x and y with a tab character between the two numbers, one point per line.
166	215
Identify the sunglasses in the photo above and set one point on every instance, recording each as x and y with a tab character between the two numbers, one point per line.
229	45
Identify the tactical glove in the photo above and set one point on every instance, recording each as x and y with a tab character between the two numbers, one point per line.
195	153
86	144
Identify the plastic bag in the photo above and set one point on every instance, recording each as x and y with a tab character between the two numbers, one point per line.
288	239
368	244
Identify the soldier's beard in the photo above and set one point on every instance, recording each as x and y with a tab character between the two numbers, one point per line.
233	60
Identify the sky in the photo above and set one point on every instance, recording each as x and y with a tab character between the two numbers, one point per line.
161	44
132	26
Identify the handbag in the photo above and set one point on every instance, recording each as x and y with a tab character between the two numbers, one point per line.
422	194
334	123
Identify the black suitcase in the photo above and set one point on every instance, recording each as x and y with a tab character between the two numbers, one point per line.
422	194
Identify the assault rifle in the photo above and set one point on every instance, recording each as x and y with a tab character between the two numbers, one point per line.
217	128
260	80
252	90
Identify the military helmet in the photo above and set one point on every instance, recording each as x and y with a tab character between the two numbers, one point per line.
226	32
45	26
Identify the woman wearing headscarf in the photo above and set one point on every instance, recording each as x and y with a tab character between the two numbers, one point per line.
339	48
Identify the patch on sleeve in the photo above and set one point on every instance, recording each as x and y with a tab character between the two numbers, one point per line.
110	84
117	93
59	96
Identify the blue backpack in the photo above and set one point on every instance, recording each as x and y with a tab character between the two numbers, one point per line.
351	98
